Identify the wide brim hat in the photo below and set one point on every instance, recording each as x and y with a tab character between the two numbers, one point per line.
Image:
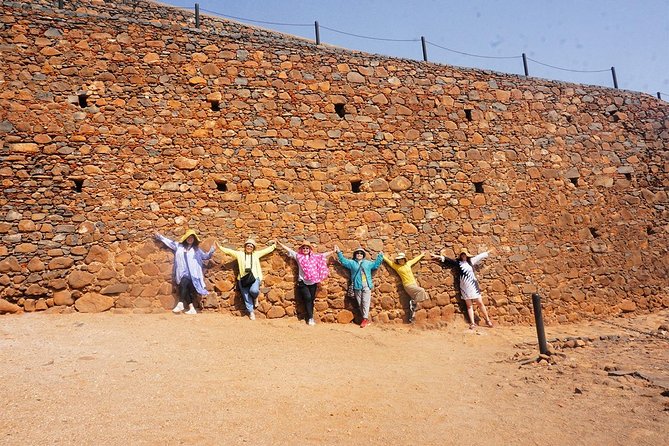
400	256
465	252
250	241
307	243
188	234
361	250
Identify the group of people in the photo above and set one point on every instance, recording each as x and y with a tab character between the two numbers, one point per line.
312	270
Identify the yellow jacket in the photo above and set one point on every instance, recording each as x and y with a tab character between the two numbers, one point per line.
404	271
242	257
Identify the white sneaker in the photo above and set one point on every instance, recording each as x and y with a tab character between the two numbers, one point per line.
311	322
252	316
179	308
191	310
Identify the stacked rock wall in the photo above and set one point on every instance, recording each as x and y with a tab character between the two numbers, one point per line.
120	120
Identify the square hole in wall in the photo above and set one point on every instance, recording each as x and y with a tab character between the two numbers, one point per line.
221	185
78	184
468	114
478	187
355	186
339	109
83	100
215	106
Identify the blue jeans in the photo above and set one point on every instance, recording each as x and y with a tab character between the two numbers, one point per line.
249	294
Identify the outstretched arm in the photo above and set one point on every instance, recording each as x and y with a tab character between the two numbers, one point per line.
477	258
267	250
290	252
378	260
229	251
444	260
207	255
415	259
168	242
348	263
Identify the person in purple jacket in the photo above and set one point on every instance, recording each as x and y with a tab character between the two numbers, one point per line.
188	261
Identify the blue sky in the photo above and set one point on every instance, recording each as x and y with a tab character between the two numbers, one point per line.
585	35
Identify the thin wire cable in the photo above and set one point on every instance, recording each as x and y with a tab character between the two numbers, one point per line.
243	19
567	69
255	21
368	37
473	55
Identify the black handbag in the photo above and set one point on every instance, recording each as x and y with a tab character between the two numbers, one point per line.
247	279
350	291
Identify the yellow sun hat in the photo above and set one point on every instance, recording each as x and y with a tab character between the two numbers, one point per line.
188	234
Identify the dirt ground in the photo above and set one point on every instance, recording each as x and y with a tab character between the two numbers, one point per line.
218	379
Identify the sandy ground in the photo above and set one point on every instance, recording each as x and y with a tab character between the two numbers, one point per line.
218	379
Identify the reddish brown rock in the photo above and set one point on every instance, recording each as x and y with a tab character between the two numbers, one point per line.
7	307
9	265
627	306
93	303
344	317
399	184
63	297
35	264
61	263
97	254
275	312
36	290
80	279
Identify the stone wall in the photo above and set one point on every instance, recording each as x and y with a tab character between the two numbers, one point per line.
121	120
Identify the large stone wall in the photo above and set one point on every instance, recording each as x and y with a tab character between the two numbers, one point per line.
109	133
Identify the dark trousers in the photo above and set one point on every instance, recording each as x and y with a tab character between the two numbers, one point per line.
308	295
186	291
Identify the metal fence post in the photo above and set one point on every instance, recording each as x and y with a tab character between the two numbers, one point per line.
318	33
539	320
659	96
615	79
197	15
423	44
527	73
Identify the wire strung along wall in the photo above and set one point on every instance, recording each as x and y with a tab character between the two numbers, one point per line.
423	41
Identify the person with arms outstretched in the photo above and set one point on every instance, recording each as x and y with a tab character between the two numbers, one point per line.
361	278
469	285
312	269
249	275
188	271
402	267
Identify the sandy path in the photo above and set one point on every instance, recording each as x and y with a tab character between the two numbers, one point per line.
218	379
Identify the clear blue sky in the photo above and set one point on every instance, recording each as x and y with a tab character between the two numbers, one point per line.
631	35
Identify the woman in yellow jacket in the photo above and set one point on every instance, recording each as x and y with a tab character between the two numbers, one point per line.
250	273
403	269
